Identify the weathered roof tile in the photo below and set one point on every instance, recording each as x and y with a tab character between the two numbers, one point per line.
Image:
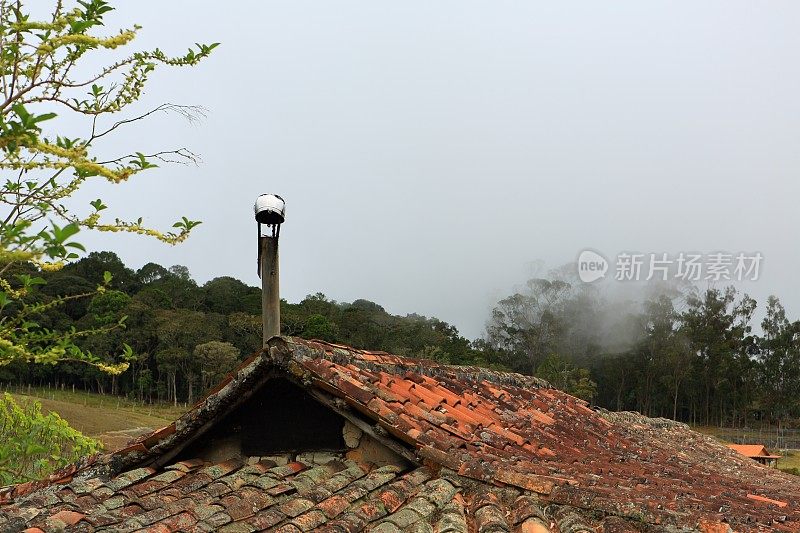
266	519
452	519
310	520
296	506
237	527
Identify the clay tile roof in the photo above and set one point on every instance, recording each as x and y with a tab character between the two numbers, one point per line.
490	451
753	451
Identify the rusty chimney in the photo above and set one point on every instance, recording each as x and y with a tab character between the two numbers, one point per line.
270	210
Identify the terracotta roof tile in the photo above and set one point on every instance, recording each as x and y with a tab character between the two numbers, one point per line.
767	500
266	519
333	506
69	518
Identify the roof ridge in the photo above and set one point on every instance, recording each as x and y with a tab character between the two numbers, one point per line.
396	364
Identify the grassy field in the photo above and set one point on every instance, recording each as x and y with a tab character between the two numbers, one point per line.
790	459
113	421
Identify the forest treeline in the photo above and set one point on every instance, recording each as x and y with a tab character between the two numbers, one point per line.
186	336
676	351
680	352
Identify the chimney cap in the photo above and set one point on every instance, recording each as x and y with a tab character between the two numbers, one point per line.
270	209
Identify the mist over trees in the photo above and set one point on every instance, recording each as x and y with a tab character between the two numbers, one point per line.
681	352
676	351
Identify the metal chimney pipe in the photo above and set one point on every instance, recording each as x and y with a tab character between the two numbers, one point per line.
270	209
270	287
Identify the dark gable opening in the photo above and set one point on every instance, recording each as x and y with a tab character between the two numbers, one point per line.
281	417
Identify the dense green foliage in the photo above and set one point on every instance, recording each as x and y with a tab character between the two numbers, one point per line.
686	354
32	444
186	337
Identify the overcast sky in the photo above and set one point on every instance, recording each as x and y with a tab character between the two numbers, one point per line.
431	152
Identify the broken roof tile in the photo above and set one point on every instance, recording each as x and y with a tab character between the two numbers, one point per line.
767	500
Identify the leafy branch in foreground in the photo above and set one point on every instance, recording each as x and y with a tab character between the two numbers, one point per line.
33	444
41	62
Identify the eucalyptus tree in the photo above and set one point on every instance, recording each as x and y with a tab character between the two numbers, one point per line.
779	356
530	323
717	325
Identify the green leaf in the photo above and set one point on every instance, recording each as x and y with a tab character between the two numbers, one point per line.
21	112
68	231
98	205
46	116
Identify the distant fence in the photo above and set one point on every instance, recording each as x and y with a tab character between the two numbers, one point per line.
76	395
771	437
